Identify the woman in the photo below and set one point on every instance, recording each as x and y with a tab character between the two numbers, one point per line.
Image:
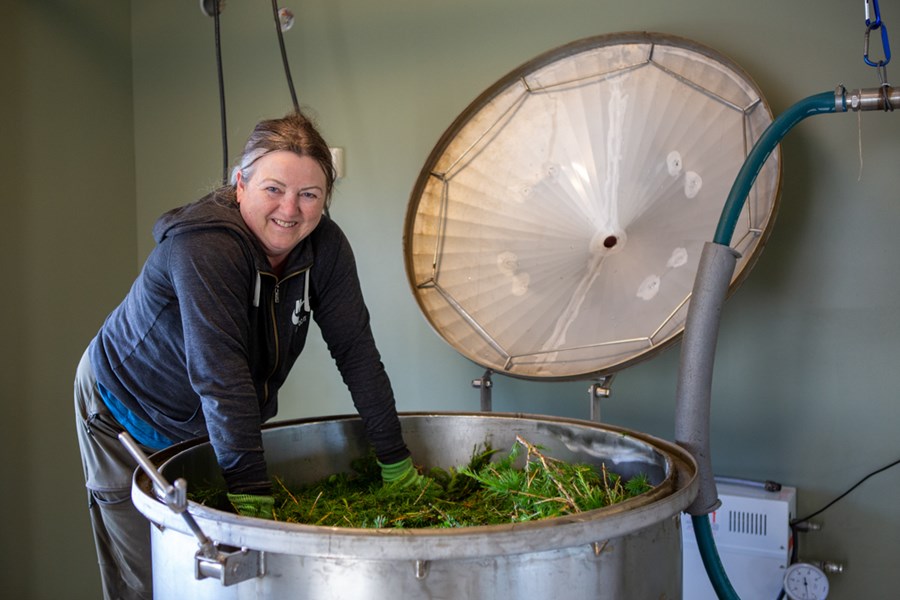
208	334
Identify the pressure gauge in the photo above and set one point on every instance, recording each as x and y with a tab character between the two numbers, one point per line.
803	581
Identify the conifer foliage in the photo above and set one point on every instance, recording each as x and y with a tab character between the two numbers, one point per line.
524	485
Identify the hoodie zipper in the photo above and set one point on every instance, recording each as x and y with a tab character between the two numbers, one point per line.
276	299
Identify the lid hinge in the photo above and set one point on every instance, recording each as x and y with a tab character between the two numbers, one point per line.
598	391
485	384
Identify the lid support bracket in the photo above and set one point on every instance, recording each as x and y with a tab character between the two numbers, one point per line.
598	391
485	384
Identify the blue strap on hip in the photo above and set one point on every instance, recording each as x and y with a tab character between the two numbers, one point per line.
139	429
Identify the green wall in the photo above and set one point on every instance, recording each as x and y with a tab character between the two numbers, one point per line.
68	254
110	116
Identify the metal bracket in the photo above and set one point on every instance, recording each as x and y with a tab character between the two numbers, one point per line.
598	391
210	7
485	384
422	569
230	567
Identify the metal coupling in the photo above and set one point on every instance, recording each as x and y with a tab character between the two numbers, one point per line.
831	567
881	98
807	526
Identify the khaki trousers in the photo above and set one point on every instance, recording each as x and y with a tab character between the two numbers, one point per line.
121	533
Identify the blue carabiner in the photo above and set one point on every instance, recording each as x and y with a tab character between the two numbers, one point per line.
870	24
885	44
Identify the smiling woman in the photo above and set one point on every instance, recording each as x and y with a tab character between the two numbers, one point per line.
282	202
209	332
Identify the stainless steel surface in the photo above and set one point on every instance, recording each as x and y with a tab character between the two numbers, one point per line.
554	231
628	550
174	496
230	568
886	98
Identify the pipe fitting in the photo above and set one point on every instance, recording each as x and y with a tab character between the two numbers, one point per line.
880	98
830	567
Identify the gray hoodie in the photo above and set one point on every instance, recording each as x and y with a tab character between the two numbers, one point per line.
208	334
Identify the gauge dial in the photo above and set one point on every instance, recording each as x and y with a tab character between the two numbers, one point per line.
803	581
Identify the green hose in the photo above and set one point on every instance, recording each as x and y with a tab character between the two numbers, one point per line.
771	137
707	546
765	145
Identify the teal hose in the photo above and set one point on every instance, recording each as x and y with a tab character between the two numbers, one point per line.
710	557
765	145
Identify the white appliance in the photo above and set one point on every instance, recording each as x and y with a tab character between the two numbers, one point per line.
753	537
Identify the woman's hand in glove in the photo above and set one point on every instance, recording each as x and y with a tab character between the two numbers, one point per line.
251	505
401	474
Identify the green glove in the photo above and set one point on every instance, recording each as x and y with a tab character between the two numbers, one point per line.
250	505
400	474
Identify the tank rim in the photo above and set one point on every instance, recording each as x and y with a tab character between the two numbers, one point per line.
598	526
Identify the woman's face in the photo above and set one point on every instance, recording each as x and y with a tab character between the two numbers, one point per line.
282	202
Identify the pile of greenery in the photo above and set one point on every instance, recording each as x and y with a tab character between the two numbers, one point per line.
480	493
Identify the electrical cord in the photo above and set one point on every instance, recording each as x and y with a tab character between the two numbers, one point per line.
796	524
217	11
284	59
842	496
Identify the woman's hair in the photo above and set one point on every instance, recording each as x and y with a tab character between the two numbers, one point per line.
293	133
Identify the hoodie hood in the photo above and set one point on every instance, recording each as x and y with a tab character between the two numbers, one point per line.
214	211
219	210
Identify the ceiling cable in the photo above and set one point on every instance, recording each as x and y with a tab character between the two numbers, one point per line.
279	25
221	95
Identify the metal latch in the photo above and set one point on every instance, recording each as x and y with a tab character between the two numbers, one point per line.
233	566
230	567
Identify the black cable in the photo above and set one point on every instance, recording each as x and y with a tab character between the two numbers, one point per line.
284	59
221	96
795	545
287	68
833	502
795	539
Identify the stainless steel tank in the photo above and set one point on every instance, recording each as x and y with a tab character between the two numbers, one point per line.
553	234
630	550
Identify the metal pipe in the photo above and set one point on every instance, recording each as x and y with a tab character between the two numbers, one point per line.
880	98
175	495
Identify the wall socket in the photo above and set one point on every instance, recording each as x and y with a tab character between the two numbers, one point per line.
337	158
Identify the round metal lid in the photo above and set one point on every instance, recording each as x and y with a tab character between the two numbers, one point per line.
555	230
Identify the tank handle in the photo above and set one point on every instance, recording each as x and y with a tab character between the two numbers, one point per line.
230	567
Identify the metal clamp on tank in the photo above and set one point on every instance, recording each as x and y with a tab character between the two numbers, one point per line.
229	567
